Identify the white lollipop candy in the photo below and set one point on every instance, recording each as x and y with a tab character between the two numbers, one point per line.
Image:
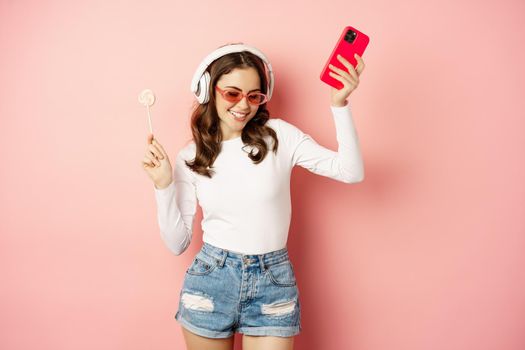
147	99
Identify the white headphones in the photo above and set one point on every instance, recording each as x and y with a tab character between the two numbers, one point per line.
201	78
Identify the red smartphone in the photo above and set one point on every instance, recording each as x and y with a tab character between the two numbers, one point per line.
351	41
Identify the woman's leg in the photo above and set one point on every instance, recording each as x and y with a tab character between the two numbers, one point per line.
250	342
197	342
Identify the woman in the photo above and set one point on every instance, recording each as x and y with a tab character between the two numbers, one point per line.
238	167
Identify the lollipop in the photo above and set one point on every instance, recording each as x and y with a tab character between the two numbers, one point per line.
147	99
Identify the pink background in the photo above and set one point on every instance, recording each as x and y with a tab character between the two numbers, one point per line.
426	253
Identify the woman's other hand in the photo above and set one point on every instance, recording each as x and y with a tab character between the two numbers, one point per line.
157	164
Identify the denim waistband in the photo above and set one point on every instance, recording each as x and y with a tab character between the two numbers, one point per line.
266	259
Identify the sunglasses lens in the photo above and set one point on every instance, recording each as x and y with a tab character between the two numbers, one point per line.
232	95
256	98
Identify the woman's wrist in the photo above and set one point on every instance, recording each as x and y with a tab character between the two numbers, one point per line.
162	186
339	103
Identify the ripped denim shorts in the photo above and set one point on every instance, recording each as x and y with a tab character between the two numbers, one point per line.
226	292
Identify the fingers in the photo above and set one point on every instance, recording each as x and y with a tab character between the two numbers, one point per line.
350	77
340	78
150	161
343	77
161	149
348	66
155	151
360	64
344	74
354	72
156	148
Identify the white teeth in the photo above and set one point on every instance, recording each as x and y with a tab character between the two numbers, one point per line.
238	115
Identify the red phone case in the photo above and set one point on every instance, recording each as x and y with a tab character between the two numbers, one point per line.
346	49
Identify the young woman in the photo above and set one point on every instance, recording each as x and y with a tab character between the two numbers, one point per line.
238	167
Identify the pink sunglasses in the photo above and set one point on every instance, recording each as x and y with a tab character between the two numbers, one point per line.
234	96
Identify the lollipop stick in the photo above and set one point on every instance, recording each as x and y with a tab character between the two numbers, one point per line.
149	119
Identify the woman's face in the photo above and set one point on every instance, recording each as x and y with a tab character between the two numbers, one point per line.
241	79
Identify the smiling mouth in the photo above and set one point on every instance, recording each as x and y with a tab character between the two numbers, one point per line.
238	116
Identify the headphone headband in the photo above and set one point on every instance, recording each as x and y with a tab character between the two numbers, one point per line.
201	78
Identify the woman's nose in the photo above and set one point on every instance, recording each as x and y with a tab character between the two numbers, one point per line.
244	103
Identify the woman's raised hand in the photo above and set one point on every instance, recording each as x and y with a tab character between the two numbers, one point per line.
349	78
157	164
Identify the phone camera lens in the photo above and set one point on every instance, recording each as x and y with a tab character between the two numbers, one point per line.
350	36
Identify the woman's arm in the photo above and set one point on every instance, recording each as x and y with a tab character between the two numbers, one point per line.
345	165
176	208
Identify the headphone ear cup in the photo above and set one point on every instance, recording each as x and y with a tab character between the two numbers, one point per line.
202	94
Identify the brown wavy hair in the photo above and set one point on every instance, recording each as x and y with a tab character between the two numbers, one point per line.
205	120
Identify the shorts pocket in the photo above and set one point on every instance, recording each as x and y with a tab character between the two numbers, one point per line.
200	267
282	274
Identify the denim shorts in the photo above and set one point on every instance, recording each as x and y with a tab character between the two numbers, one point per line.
226	292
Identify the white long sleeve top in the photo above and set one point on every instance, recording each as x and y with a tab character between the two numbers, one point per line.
247	207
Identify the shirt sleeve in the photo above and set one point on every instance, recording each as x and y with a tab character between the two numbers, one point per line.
176	208
345	165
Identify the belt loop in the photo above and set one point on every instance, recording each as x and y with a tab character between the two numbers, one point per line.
261	261
223	258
